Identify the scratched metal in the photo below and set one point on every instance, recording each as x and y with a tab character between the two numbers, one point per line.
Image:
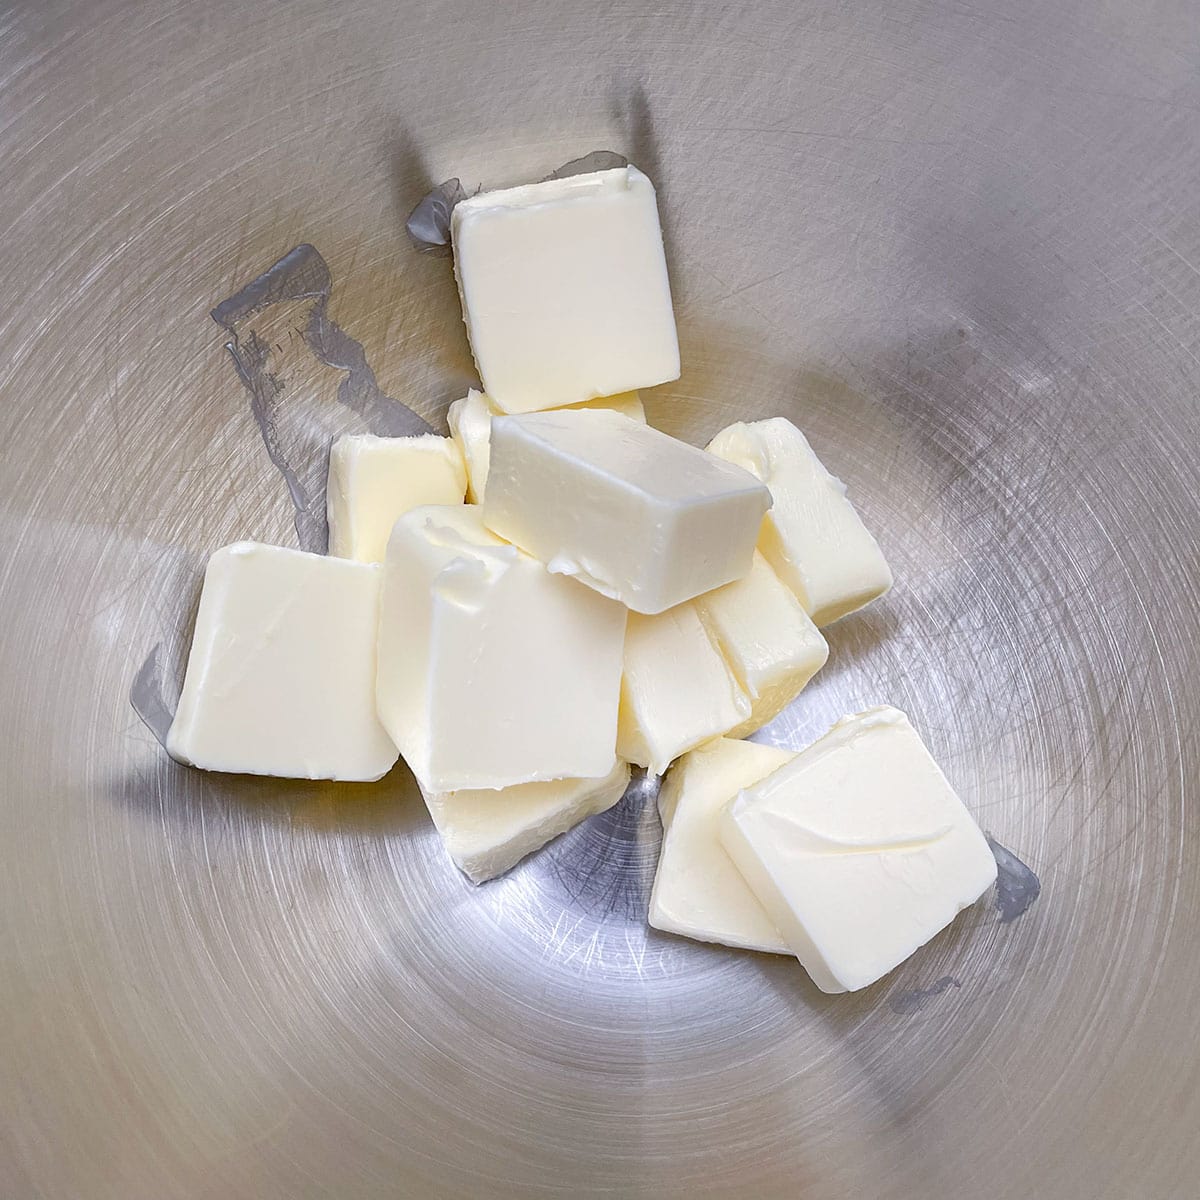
959	245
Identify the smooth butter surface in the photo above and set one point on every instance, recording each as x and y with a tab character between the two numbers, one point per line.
375	480
281	675
767	638
858	849
470	421
492	671
564	289
628	510
677	691
813	537
488	832
698	892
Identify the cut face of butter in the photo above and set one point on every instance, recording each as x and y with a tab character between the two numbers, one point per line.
564	289
629	511
677	691
375	480
281	675
698	892
492	671
488	832
470	421
813	538
767	638
858	849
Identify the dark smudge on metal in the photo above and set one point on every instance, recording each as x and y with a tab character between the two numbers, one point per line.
1017	886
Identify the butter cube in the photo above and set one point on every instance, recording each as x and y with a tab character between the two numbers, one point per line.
676	692
488	832
698	892
622	507
767	638
281	675
858	849
813	538
375	480
470	421
492	671
564	289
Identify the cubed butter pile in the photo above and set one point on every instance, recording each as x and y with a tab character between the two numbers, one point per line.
558	590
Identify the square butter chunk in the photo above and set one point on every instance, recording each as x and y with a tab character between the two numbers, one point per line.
813	538
281	675
375	480
564	289
628	510
470	421
488	832
677	691
492	671
698	892
858	849
767	638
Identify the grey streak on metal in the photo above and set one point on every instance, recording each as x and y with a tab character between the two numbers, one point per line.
957	244
1017	885
913	1000
596	160
428	225
300	450
304	472
148	696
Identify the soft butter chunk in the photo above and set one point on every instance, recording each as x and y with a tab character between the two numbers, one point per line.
858	849
624	508
813	538
281	675
470	421
375	480
698	892
564	289
767	638
677	691
488	832
492	671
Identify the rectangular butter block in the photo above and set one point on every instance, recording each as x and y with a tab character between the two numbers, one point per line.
281	675
564	289
375	480
622	507
858	849
677	691
767	639
470	421
698	892
488	832
812	537
492	671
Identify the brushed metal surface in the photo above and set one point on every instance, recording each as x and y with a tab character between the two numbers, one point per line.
958	244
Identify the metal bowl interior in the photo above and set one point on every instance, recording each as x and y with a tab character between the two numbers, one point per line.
959	249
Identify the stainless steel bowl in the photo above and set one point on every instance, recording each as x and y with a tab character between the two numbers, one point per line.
960	246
